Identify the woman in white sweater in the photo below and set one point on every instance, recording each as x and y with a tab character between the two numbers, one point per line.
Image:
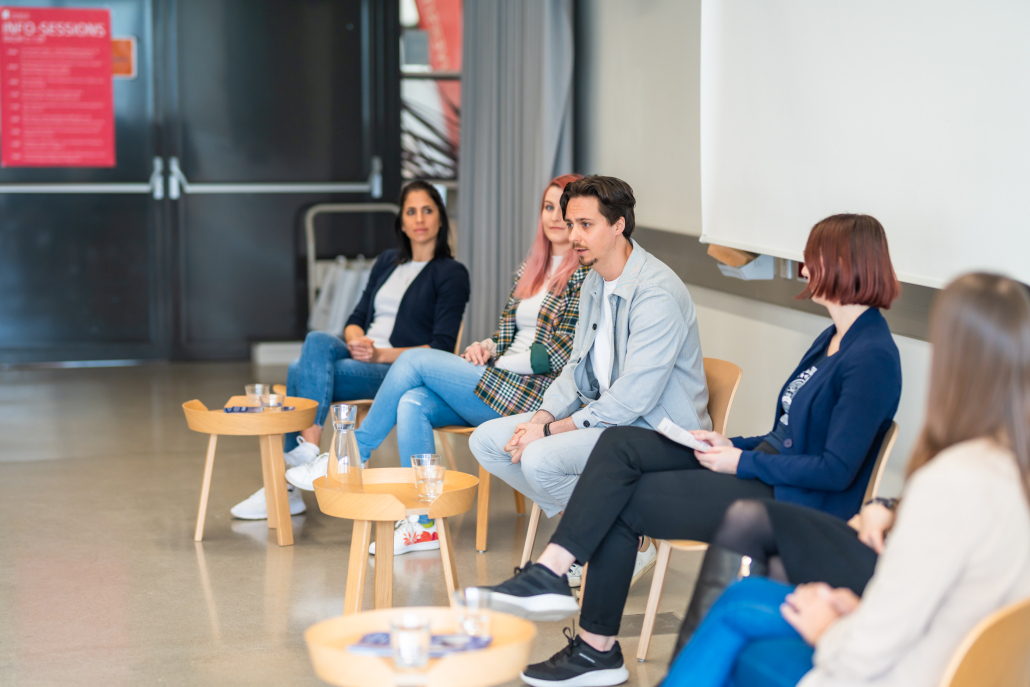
958	550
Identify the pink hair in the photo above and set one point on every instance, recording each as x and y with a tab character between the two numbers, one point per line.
538	262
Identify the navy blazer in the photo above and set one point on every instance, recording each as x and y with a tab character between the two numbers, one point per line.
837	421
430	310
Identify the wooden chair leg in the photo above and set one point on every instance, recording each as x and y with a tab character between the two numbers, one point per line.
450	570
448	452
661	566
583	584
205	487
531	528
277	468
482	509
356	567
520	502
384	564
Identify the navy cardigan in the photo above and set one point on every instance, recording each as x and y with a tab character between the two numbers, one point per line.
837	421
431	309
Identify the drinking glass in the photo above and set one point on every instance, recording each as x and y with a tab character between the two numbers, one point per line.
256	391
428	477
472	607
409	639
272	403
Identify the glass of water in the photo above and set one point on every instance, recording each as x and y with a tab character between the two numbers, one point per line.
428	475
256	391
409	640
272	403
472	606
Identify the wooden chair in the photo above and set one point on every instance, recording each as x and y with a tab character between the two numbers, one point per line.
665	547
269	428
386	496
995	653
483	505
723	378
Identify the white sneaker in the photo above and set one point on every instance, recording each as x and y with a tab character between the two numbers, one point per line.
409	535
254	507
303	454
645	561
575	575
303	476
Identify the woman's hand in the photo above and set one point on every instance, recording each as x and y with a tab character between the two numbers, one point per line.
722	459
362	349
713	438
476	354
872	523
812	608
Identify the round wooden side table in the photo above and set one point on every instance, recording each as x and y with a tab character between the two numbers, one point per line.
500	662
269	428
389	495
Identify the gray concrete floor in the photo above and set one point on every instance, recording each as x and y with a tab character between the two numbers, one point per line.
101	582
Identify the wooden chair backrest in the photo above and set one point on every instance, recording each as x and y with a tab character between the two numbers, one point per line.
886	446
723	379
995	653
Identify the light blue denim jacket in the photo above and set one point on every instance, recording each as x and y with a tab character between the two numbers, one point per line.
658	370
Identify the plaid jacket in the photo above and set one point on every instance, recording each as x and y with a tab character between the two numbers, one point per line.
509	393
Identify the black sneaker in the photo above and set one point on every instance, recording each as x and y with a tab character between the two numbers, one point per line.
535	593
578	665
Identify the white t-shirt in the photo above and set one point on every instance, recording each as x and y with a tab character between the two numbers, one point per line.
517	356
603	351
388	300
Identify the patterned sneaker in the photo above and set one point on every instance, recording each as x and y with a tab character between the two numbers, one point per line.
578	665
411	535
575	575
645	561
535	593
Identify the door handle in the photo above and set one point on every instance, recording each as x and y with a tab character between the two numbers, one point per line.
155	186
179	185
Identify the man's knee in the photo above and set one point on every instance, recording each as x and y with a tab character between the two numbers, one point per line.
487	443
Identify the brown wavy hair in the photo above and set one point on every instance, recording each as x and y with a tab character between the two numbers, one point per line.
980	369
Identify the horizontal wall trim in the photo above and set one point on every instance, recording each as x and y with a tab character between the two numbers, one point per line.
688	257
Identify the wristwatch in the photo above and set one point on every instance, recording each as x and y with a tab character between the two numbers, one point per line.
889	504
547	429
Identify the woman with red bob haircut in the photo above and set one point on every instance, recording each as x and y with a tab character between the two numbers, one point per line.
829	420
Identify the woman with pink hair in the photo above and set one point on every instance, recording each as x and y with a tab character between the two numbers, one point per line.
504	375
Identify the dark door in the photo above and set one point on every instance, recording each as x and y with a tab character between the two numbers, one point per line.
269	101
81	274
237	95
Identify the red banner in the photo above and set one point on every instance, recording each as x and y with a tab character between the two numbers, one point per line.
56	96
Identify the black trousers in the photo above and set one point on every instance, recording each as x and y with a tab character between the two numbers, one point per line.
637	482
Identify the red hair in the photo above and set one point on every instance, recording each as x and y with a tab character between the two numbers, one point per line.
538	262
848	262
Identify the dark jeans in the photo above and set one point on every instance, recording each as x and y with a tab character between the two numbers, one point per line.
637	482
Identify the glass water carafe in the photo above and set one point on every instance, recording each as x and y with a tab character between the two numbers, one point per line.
344	455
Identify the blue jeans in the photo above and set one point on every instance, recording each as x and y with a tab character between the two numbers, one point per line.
425	388
744	642
325	372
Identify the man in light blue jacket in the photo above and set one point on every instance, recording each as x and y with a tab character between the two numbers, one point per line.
636	358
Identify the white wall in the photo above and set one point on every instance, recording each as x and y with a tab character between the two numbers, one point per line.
640	73
767	341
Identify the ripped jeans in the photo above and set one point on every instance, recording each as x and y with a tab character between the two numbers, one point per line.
425	388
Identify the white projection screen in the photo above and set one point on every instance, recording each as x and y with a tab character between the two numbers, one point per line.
915	112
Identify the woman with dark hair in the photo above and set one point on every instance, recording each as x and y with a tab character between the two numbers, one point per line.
504	375
958	550
830	418
415	298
